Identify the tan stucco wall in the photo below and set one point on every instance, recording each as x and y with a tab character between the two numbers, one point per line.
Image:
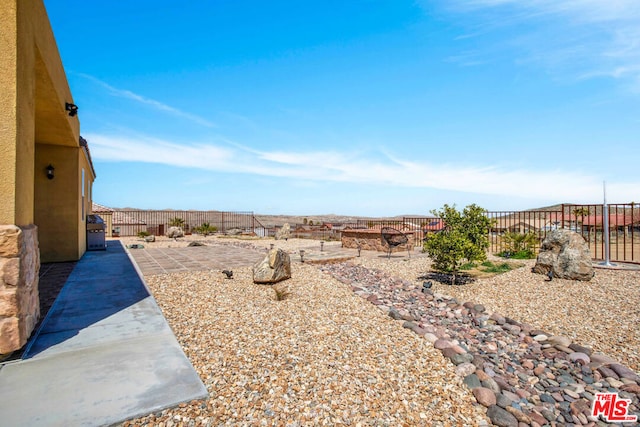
34	90
59	203
84	201
8	113
33	117
35	130
56	203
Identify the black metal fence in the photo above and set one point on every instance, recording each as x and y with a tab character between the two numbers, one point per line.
131	222
623	227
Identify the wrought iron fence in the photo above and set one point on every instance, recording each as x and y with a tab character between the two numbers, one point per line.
587	220
131	222
623	229
509	223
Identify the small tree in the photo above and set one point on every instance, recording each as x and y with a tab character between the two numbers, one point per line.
464	238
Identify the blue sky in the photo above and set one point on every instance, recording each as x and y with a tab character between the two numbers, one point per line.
356	107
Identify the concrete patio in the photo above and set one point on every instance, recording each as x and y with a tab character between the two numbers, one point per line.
103	354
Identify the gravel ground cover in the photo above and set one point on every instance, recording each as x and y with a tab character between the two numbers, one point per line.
328	357
603	313
323	356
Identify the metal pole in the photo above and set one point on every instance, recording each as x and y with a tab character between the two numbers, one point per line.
605	231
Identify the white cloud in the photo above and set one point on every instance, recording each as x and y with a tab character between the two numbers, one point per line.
153	150
123	93
582	38
352	167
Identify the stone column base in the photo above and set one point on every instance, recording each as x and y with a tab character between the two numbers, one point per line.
19	297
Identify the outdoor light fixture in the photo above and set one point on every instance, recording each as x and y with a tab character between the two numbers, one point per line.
359	249
271	246
71	108
321	246
301	255
50	170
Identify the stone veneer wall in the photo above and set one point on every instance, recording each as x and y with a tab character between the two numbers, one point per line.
19	298
371	240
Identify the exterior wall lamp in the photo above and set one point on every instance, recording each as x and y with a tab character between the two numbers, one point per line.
71	108
50	170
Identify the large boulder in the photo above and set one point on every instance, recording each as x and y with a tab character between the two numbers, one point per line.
284	232
566	255
175	232
275	267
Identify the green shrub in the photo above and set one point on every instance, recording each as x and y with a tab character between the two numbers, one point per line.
142	234
526	254
205	229
467	266
496	268
519	243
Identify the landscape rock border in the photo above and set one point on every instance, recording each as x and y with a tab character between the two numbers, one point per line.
535	377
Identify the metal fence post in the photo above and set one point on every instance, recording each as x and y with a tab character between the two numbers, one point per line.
605	223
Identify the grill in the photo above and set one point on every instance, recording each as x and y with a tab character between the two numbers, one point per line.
95	233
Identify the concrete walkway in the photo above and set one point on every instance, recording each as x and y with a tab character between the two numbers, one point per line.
103	354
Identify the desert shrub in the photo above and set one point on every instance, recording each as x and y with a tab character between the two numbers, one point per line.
519	245
281	293
517	255
205	229
142	234
176	222
464	238
496	268
518	242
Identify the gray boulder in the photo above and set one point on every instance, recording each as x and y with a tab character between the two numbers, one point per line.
284	232
175	232
275	267
566	255
150	238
